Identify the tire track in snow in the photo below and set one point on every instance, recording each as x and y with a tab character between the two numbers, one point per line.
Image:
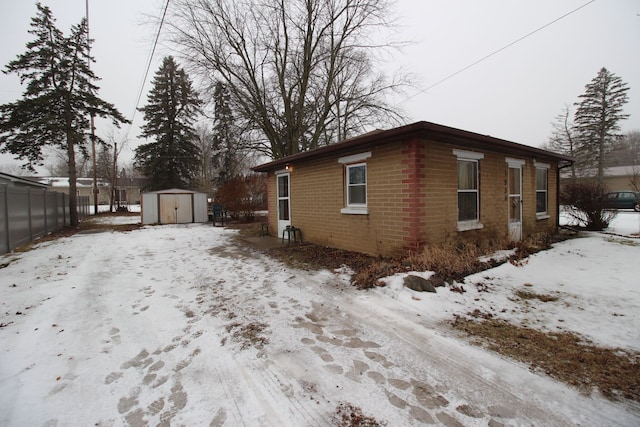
246	306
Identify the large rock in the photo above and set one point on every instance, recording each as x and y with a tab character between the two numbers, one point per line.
420	284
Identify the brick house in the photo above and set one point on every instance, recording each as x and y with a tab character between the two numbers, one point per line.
388	192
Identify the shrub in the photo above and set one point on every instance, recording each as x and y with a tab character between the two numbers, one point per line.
584	202
243	196
453	261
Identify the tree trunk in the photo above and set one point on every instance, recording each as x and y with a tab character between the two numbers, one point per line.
73	177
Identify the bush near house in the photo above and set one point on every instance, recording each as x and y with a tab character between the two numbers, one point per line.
584	202
244	195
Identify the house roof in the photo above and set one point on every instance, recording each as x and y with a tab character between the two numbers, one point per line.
20	181
63	181
423	130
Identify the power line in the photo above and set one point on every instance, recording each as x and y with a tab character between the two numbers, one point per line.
146	73
498	51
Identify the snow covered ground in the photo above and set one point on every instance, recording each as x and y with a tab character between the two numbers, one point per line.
183	325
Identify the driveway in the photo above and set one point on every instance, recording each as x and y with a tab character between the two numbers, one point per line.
184	325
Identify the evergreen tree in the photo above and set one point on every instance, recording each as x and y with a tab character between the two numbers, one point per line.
224	147
172	160
597	117
60	96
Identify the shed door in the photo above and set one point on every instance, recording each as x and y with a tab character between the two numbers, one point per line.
515	202
175	209
284	207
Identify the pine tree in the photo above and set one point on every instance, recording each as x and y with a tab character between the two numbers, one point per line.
224	147
172	160
598	115
60	96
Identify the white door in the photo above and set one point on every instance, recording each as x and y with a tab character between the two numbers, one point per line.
515	203
284	206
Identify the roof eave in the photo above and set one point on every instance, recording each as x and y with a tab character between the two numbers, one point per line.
423	130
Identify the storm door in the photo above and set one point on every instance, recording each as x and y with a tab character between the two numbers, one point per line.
515	202
284	206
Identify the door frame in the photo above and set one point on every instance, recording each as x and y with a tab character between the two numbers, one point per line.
283	223
514	222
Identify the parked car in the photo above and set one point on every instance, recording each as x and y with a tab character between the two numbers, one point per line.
622	200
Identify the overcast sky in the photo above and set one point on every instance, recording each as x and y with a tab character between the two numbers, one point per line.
514	94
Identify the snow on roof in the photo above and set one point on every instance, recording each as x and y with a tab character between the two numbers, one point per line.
63	181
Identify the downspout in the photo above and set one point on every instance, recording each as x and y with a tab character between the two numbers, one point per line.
569	163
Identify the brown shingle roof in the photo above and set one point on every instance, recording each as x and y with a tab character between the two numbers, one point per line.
423	130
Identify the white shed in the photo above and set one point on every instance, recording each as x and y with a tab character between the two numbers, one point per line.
173	206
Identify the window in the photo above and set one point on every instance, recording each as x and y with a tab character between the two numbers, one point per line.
357	185
468	190
542	197
355	177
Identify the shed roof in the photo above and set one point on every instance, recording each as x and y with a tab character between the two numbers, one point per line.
172	191
423	130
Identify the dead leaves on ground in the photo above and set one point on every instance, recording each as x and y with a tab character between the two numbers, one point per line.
562	355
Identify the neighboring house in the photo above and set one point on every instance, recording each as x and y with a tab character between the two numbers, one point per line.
20	182
388	192
84	187
128	191
617	178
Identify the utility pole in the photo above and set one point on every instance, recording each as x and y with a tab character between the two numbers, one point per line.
116	193
93	128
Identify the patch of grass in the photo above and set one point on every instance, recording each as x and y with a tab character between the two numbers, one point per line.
347	415
625	242
561	355
450	261
527	295
308	255
247	229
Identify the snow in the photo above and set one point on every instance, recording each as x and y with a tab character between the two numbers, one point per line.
149	327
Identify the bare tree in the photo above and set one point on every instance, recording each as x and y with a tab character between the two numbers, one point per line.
626	150
13	169
206	175
563	139
299	72
57	163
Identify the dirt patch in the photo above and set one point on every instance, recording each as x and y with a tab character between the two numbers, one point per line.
248	335
527	295
309	256
569	358
348	415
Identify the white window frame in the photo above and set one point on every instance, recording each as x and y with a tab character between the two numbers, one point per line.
352	161
545	167
469	156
